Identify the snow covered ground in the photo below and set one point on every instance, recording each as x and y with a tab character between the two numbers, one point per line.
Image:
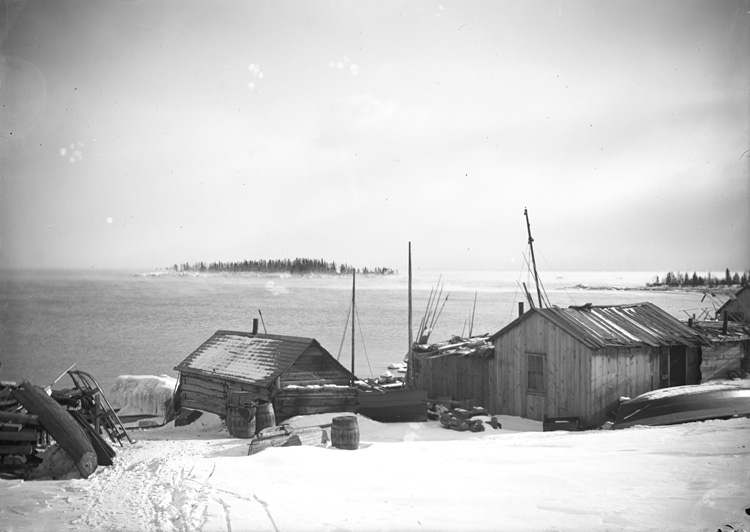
406	476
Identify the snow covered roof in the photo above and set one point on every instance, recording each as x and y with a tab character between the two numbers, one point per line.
254	358
599	326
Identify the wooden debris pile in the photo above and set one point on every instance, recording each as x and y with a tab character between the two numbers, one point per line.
56	434
462	419
21	435
288	436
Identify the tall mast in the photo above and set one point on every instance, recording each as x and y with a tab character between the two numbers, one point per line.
533	260
411	339
354	314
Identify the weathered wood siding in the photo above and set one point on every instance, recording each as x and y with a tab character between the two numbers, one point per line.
314	367
580	382
209	394
567	371
463	378
289	402
616	373
719	359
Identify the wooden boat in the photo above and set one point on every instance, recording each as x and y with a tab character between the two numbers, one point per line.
684	404
397	402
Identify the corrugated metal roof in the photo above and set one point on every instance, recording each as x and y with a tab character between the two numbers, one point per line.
246	357
638	324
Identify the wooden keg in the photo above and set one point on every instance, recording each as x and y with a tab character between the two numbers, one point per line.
345	432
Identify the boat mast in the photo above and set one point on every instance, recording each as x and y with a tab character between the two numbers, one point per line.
533	260
411	339
354	314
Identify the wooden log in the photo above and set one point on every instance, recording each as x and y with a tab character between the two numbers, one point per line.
25	419
285	436
19	435
23	449
61	425
206	407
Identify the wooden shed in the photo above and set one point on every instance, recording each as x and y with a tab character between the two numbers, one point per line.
737	308
726	353
459	373
579	361
296	374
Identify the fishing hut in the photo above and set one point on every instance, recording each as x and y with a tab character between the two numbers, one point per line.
737	307
297	375
578	362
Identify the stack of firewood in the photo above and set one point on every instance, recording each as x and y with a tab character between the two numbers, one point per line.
462	419
21	435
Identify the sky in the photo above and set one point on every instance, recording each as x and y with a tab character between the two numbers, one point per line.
140	134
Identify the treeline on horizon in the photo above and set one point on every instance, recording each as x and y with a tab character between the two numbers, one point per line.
296	266
685	279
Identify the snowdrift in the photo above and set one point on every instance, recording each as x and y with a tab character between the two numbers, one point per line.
142	395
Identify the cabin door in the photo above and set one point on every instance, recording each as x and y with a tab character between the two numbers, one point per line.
673	367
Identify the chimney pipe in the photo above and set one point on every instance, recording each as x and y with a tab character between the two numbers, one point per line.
255	325
520	309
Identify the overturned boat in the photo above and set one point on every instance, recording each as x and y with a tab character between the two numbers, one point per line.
685	404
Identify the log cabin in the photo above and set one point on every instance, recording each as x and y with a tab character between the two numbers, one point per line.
297	375
578	362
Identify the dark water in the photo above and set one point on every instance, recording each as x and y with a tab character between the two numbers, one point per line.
119	323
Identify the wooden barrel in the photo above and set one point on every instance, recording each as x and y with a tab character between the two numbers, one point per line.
345	432
241	421
264	416
241	414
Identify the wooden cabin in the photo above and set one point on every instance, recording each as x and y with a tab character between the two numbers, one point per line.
726	353
737	308
459	374
579	361
295	374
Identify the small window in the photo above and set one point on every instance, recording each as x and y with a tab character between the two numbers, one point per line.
535	374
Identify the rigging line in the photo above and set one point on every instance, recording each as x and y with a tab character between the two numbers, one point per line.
364	347
515	296
346	327
555	274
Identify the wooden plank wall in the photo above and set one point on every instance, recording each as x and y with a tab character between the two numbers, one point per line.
290	402
463	378
314	366
580	382
211	394
719	359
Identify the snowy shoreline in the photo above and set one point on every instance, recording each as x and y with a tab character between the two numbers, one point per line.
405	476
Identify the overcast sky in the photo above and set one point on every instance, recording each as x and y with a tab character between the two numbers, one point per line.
138	134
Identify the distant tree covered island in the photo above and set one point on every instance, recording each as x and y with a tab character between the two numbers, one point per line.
678	279
291	266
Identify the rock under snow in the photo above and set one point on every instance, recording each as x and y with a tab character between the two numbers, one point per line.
136	395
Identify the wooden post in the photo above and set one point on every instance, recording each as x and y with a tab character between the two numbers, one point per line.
354	315
724	326
410	353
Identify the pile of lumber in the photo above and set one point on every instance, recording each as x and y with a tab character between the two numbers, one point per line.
52	434
462	419
20	435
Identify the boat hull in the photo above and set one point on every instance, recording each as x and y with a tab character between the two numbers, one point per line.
396	405
685	404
